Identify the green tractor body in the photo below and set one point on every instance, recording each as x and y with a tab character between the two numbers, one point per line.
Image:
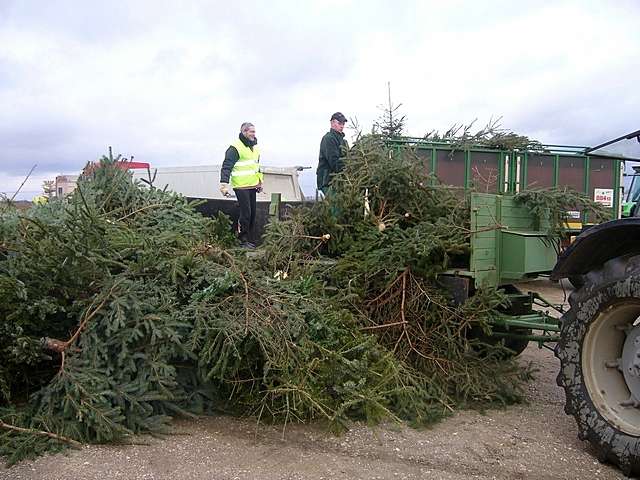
632	197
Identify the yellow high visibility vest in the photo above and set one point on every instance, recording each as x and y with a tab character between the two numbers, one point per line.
246	172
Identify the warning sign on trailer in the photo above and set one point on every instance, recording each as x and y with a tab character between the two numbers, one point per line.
603	196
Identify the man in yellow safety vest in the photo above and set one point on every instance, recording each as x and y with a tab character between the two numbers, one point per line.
242	165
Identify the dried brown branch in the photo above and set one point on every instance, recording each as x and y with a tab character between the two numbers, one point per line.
59	346
246	287
489	181
384	325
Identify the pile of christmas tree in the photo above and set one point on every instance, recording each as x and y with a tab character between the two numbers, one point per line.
121	307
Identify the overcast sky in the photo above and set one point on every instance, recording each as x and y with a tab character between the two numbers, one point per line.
170	82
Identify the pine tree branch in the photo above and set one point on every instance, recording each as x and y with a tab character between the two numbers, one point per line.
70	441
60	346
146	207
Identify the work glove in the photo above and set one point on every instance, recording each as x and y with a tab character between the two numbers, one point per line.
259	188
224	189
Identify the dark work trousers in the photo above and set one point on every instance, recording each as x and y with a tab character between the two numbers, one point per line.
247	201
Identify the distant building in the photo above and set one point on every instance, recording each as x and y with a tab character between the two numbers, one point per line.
65	184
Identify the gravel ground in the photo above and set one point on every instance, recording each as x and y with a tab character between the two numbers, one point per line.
535	440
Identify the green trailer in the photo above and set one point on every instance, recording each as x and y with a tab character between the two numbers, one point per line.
490	170
508	245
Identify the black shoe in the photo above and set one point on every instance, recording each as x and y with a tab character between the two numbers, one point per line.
247	245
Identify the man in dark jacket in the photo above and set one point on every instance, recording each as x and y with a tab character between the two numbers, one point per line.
242	165
332	148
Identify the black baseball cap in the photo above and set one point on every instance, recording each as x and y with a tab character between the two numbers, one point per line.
339	116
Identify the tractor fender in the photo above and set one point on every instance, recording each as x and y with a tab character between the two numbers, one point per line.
593	247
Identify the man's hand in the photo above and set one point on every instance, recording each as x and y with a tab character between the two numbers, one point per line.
259	188
224	189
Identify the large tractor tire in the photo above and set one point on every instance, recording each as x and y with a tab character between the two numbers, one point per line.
599	352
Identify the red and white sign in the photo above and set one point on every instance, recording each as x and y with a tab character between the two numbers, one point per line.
603	196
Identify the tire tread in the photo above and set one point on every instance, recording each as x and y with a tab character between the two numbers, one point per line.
611	445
